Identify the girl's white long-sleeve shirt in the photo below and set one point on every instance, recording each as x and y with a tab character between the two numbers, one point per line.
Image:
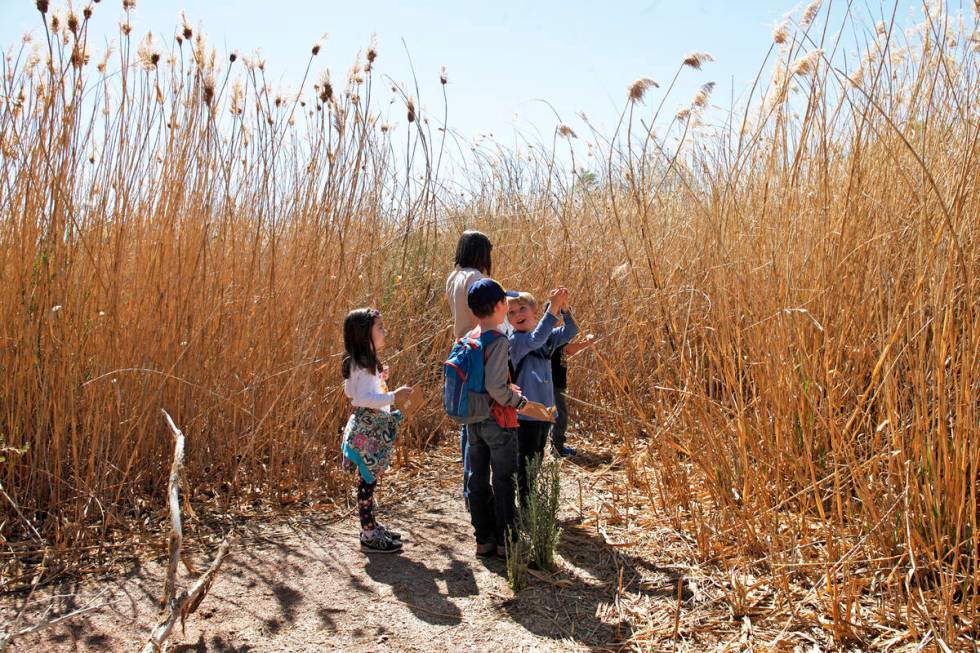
367	390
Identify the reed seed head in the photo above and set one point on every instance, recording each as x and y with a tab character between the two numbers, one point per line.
372	54
79	56
701	97
566	132
810	13
324	88
639	88
780	32
697	59
806	64
237	104
42	6
147	54
442	76
186	31
410	106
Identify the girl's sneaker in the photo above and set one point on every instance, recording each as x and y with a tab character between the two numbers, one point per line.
379	542
392	534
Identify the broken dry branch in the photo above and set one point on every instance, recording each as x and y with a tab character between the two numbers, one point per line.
178	606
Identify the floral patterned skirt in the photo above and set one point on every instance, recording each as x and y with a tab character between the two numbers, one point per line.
371	435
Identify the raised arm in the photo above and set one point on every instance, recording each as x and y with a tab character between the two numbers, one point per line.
564	333
536	339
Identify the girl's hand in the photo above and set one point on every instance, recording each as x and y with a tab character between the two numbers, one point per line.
402	394
384	372
516	389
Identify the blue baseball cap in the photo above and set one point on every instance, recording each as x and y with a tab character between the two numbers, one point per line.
486	292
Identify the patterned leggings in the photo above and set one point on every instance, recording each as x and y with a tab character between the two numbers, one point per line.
365	504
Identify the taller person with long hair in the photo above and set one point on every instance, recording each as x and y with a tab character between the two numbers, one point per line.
473	262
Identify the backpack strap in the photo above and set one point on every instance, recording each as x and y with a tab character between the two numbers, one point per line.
487	337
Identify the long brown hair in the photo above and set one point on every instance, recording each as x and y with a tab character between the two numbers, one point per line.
473	251
358	344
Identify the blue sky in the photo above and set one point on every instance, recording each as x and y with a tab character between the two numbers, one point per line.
501	57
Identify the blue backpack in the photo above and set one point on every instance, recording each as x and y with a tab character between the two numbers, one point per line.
464	375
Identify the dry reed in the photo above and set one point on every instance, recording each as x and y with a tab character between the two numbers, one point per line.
787	309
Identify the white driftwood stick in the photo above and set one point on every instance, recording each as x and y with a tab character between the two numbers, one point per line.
173	500
186	603
179	606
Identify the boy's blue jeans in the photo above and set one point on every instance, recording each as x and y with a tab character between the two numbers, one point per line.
493	460
466	464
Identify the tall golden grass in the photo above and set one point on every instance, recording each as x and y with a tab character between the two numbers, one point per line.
787	303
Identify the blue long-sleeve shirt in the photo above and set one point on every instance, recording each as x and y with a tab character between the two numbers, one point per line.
535	378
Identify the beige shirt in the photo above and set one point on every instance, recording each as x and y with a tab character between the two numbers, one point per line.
457	285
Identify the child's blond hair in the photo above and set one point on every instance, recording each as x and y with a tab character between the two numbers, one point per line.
524	299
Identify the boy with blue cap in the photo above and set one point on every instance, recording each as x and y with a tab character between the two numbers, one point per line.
492	441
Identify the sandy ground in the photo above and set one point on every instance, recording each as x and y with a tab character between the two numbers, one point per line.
303	584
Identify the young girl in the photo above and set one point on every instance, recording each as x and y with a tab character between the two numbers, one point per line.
371	430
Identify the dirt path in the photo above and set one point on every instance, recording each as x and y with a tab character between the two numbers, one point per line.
302	584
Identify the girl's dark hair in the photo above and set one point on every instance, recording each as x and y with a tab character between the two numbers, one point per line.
358	345
473	251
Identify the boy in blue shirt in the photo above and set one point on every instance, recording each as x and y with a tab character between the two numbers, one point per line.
532	343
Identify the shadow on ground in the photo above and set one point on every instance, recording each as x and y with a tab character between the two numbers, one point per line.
580	606
414	584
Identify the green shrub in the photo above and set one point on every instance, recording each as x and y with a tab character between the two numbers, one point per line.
518	554
537	519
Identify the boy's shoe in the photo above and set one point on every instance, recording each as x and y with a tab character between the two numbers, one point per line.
565	452
379	542
390	533
486	550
